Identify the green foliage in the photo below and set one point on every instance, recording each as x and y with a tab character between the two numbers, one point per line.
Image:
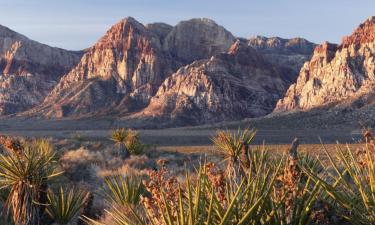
25	174
271	191
349	181
123	190
65	205
77	137
230	144
128	142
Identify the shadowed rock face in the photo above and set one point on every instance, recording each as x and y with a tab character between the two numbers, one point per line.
29	70
197	39
336	74
232	85
289	54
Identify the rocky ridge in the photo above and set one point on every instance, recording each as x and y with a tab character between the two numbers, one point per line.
29	70
124	69
336	75
191	73
233	85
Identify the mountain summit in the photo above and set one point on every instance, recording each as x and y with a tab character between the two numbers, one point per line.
124	69
336	74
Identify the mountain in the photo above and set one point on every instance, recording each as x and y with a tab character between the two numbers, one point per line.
337	75
289	54
124	69
233	85
29	70
193	72
197	39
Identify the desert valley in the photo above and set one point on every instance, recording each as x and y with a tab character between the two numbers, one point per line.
187	124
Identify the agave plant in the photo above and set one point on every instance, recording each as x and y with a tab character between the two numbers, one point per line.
26	174
64	205
119	137
233	146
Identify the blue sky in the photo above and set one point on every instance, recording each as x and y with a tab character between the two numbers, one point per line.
77	24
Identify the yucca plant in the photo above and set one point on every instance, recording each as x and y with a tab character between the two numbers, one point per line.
208	198
65	205
119	137
232	145
26	174
297	195
133	143
350	182
123	190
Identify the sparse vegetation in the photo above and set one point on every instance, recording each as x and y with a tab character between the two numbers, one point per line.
244	184
64	205
128	142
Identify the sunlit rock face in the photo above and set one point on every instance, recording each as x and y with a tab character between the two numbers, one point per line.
124	69
193	72
29	70
336	74
232	85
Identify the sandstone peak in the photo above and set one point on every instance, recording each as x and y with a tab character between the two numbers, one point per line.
197	39
230	85
28	70
335	74
272	44
364	33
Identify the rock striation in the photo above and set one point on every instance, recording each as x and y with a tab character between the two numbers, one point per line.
124	69
29	70
336	75
232	85
190	73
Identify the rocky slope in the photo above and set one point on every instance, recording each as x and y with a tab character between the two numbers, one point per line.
232	85
131	73
124	69
339	75
29	70
290	54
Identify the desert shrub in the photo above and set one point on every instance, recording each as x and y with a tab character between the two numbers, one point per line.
77	137
78	164
269	190
136	166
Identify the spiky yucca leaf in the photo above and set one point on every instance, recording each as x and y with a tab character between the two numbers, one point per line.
25	173
198	202
230	144
123	190
351	183
65	205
